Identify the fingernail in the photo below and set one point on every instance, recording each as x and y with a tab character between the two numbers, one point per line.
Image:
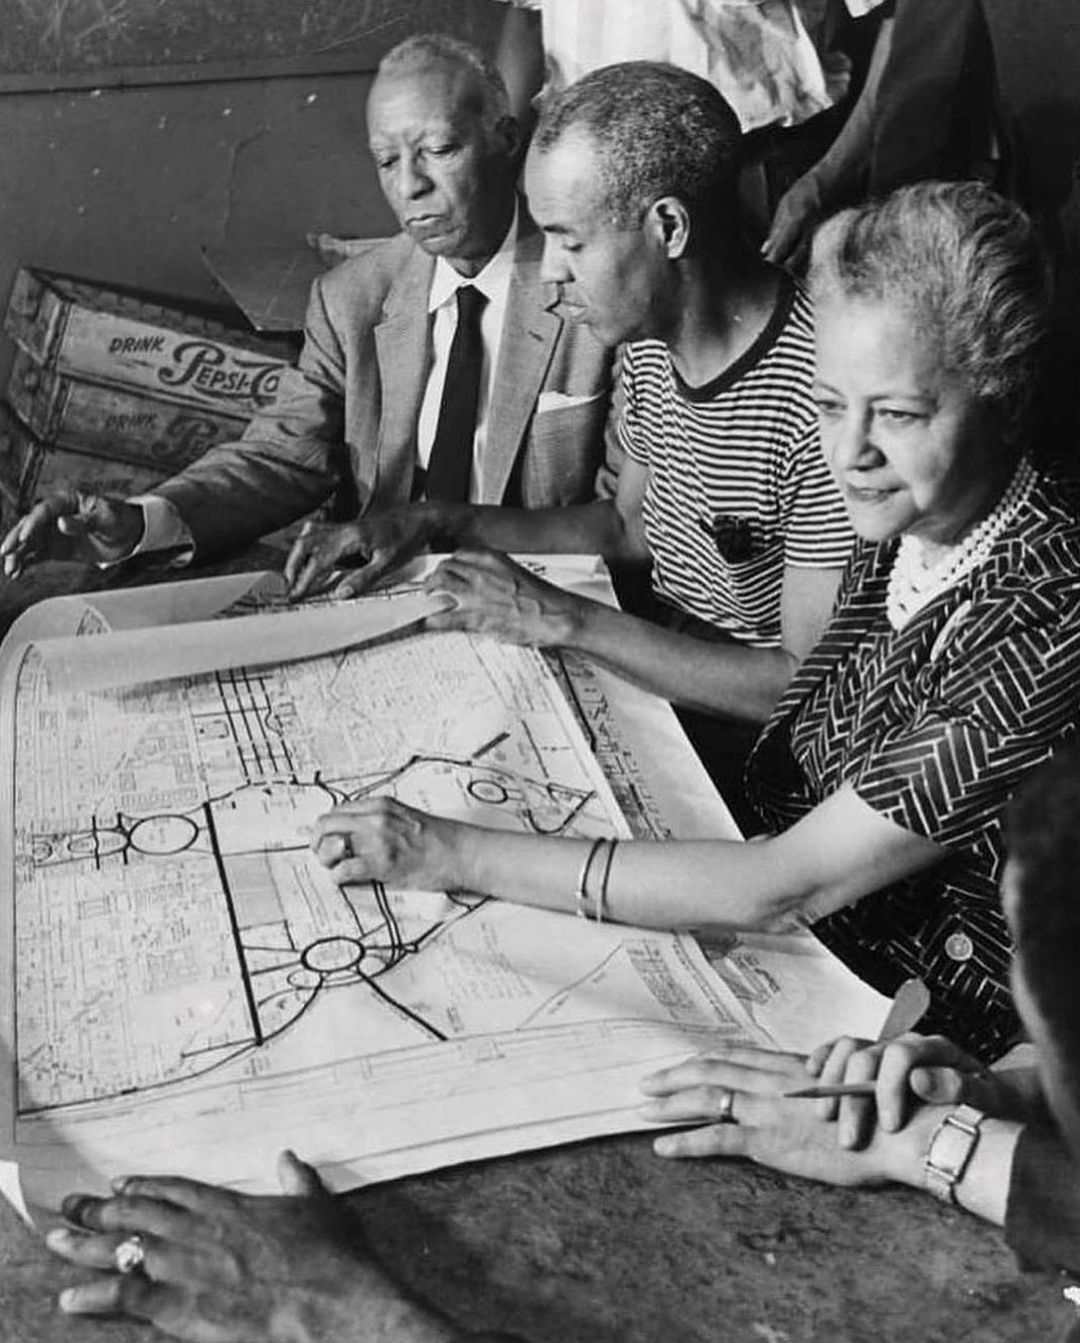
66	1299
59	1238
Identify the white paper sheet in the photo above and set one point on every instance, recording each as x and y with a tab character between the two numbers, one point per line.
189	990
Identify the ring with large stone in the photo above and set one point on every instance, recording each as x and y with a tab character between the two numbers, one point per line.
129	1255
727	1100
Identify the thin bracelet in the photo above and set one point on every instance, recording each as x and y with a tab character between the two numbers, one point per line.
601	899
583	880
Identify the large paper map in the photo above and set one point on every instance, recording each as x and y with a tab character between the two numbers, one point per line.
190	990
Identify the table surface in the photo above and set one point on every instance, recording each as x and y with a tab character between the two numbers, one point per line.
604	1243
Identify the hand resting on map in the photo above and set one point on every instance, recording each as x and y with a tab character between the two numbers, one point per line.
736	1101
734	1105
381	839
350	558
495	595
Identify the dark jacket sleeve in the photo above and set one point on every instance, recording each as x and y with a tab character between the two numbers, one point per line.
1042	1217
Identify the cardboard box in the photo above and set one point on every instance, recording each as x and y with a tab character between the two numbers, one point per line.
133	341
127	425
29	470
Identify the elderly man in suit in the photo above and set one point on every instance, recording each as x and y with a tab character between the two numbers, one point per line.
435	364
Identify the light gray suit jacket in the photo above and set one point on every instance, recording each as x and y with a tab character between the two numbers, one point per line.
346	417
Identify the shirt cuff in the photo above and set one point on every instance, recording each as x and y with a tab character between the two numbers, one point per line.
163	529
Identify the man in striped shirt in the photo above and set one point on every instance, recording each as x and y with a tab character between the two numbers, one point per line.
725	490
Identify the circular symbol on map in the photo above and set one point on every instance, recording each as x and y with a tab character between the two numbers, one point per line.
43	849
332	956
488	790
163	834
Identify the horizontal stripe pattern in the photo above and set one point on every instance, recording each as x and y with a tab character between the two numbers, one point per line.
745	447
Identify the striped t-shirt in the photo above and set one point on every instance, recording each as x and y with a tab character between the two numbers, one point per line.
736	467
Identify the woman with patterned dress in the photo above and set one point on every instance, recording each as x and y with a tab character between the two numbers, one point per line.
950	669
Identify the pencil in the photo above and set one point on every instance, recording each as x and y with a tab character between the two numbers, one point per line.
842	1089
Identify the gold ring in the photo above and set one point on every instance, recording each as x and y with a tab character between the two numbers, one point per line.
727	1100
129	1255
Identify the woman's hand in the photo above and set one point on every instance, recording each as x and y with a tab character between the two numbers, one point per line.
738	1098
909	1071
220	1267
381	839
493	595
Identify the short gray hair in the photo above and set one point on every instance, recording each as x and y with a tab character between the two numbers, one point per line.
964	262
659	131
424	49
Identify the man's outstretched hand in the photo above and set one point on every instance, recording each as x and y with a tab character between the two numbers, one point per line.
72	525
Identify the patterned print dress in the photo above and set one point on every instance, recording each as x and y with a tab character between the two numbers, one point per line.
934	727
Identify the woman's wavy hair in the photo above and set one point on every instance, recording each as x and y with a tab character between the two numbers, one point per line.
965	263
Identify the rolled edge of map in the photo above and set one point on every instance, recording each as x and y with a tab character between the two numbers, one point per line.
162	653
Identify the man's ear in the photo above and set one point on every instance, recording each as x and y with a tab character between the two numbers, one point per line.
669	221
507	137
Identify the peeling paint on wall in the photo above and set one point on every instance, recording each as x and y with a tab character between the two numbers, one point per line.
55	35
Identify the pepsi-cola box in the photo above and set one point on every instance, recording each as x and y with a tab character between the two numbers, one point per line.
118	422
30	469
129	339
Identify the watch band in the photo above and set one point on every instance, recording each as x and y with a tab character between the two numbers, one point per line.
949	1152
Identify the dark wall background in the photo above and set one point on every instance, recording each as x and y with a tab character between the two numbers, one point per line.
134	132
89	38
1037	46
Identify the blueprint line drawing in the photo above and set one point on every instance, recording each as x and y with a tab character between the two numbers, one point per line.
190	991
277	931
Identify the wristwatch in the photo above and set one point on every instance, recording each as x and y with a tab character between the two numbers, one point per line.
949	1153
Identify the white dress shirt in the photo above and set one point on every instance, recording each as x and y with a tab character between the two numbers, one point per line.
494	283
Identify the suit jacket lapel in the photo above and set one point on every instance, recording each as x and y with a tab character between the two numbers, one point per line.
530	330
403	351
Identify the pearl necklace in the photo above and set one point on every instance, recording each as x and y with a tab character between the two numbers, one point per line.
913	583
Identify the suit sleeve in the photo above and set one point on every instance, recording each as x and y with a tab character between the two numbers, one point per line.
285	465
1042	1217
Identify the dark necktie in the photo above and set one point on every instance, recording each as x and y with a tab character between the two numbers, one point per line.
450	465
